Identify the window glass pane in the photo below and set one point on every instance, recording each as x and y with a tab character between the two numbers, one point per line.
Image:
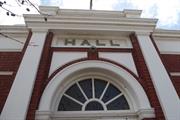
67	104
110	93
118	104
99	87
86	85
69	101
94	106
75	92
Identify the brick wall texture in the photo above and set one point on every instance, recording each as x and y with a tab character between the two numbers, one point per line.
9	61
172	64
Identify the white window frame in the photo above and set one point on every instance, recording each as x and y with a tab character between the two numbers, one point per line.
93	76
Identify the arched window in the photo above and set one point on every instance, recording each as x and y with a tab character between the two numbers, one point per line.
94	90
93	94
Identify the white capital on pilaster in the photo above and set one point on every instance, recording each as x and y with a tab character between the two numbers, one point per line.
142	33
39	30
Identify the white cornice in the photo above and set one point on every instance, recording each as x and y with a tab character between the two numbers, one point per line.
52	10
90	20
142	33
90	23
13	29
166	33
132	13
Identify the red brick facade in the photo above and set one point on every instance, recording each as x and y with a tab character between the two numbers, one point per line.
9	61
172	64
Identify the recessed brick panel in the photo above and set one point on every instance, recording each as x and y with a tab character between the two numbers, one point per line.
176	82
171	62
5	85
9	61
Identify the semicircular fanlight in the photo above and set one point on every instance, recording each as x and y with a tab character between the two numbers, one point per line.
93	95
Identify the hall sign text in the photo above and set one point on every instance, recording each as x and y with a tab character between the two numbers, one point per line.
71	42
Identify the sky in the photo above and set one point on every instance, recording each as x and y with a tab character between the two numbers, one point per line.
166	11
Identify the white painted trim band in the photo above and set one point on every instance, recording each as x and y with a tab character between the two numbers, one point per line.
175	73
10	50
143	113
6	72
170	52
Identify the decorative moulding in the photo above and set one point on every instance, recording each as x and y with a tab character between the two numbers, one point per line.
90	20
49	10
166	33
40	30
94	115
13	29
142	33
145	113
132	13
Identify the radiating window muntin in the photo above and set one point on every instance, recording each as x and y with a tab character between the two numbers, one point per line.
93	94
